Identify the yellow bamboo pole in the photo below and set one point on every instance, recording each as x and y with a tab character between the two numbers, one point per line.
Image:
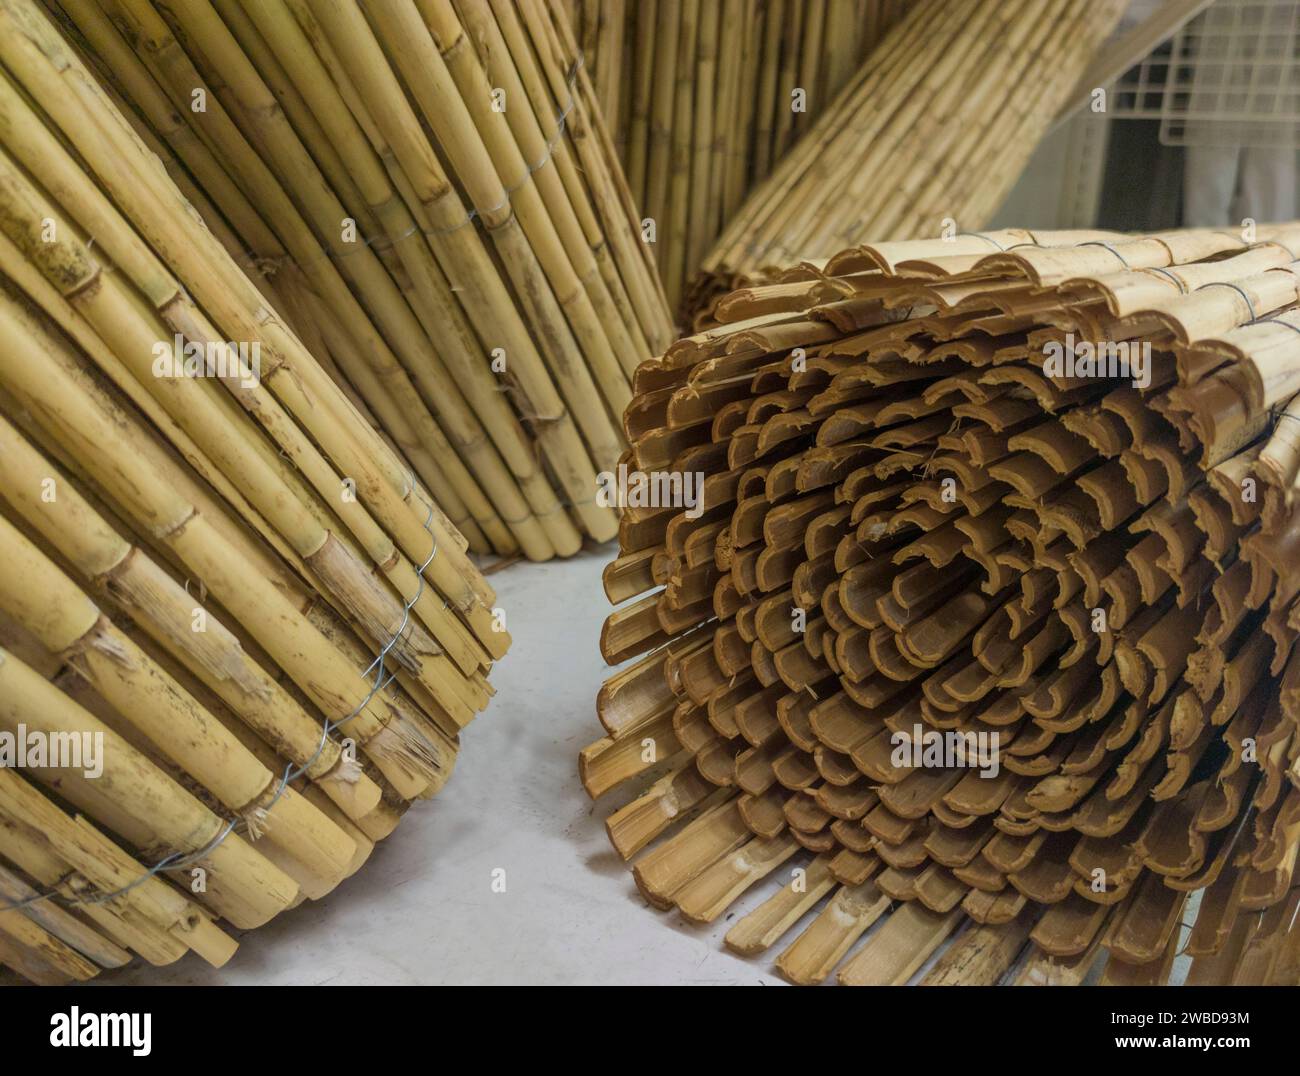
146	807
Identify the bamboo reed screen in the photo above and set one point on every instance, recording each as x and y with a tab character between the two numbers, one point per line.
927	138
920	519
233	583
433	201
705	96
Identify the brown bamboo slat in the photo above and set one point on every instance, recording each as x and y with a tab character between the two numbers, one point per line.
934	512
226	575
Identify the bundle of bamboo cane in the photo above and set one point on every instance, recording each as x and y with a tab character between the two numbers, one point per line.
986	615
926	138
237	637
431	196
704	97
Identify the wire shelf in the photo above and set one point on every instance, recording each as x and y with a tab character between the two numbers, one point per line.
1227	78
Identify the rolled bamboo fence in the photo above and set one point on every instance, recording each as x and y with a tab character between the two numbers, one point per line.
704	97
926	139
211	565
983	633
428	193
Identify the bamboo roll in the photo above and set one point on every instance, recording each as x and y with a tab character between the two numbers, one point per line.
980	634
238	633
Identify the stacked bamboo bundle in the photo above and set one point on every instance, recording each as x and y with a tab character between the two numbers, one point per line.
926	139
705	96
433	201
927	523
211	566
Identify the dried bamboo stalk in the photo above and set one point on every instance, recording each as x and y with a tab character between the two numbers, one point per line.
987	614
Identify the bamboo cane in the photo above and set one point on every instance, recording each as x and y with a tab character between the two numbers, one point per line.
165	513
152	916
138	181
145	806
127	679
129	576
346	112
197	411
436	303
395	320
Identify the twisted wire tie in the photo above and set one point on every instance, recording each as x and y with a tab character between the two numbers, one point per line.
1166	273
986	238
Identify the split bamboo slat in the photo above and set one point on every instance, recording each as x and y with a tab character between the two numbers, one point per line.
427	191
222	573
927	138
927	522
703	97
